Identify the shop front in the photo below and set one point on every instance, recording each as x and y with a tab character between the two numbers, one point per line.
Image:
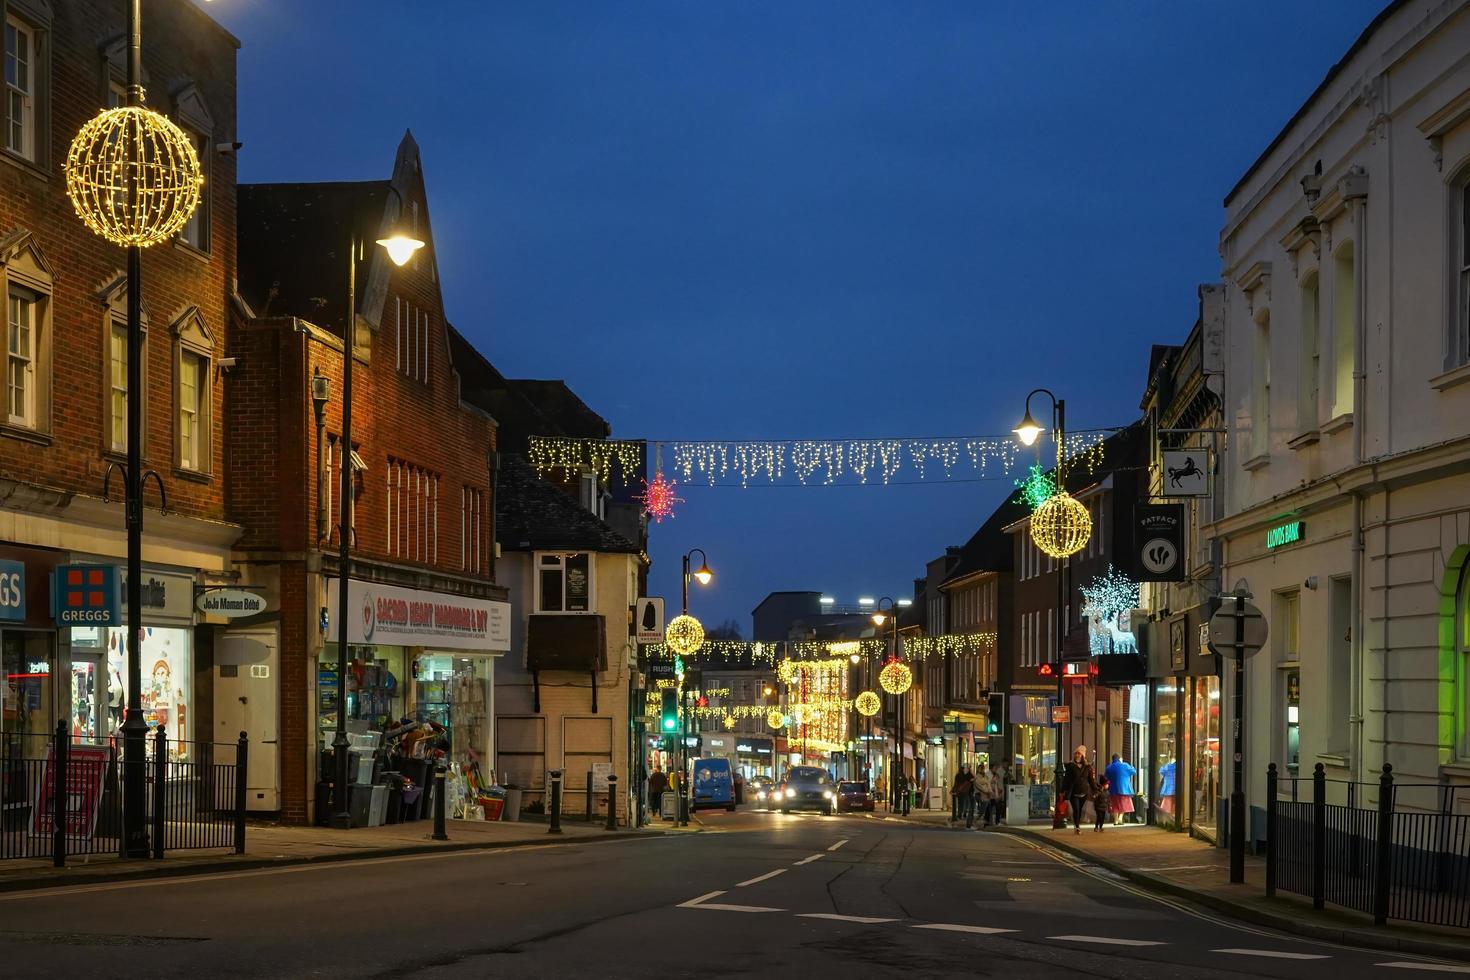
35	694
419	688
1034	753
1185	720
755	756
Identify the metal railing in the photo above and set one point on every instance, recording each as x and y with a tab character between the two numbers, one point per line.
61	795
1405	855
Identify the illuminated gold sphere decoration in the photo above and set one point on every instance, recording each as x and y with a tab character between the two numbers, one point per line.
1061	525
867	704
895	677
786	671
774	718
138	202
684	635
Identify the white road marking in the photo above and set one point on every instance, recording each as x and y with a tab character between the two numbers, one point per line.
695	901
865	919
1272	954
1429	967
1177	867
1104	940
713	907
838	844
952	927
808	860
757	880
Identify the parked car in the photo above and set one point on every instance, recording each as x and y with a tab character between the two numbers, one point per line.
808	788
852	795
761	791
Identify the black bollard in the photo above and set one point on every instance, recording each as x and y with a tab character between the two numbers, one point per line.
440	783
612	795
555	815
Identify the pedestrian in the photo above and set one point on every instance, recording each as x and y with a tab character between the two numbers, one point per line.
983	797
997	794
954	811
964	786
1079	784
658	783
1120	788
1100	804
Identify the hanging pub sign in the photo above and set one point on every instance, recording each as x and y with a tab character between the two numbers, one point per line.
1186	473
1158	542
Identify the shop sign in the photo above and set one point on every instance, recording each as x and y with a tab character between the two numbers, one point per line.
1186	472
1029	710
86	768
1158	542
230	603
164	596
1061	714
1283	534
649	620
1177	633
86	595
12	591
600	772
393	616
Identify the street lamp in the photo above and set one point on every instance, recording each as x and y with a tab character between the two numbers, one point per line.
703	576
886	611
400	247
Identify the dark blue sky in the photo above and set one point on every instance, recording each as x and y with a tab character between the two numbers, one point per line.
812	219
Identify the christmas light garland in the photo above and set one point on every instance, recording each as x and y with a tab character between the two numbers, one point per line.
949	644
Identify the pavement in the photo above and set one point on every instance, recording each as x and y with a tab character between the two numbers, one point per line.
752	893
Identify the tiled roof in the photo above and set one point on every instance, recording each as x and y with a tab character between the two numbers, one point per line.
532	514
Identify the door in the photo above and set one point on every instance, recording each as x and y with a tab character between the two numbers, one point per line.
247	699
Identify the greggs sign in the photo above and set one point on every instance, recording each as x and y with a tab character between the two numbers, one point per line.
392	616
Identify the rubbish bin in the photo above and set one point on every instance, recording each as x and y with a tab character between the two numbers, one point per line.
1018	805
512	810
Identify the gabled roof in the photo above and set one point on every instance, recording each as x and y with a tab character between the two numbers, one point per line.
989	549
533	515
561	405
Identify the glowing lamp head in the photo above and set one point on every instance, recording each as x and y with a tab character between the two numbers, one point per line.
855	658
400	247
1028	431
704	576
879	618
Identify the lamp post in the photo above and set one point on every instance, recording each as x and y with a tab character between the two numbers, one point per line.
889	614
400	247
703	576
1027	432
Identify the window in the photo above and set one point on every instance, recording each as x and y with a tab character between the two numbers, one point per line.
117	387
412	333
413	512
20	360
117	94
1460	349
20	88
564	583
191	410
1311	361
1344	329
25	280
196	230
1288	656
1261	394
472	530
193	419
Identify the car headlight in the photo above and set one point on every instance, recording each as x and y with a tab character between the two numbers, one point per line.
831	795
790	793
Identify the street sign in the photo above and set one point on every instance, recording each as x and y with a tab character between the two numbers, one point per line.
1186	473
648	620
1223	628
1158	542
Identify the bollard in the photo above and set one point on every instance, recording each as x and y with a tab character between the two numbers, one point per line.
440	791
1273	840
58	793
1383	862
555	814
242	760
160	787
589	795
612	794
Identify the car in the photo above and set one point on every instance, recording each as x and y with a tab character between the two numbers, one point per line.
761	791
713	786
853	795
808	788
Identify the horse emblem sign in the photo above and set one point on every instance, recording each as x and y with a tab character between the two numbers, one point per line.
1186	473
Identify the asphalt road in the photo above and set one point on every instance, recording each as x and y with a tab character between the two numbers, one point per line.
760	894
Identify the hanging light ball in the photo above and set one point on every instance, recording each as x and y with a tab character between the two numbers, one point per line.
1061	525
895	677
133	176
774	718
786	671
867	704
729	723
684	634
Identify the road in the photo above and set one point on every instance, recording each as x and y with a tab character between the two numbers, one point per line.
758	894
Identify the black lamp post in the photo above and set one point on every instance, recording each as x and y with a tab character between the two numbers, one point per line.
400	247
703	576
889	614
1028	432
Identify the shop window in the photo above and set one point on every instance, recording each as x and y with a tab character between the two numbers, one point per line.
167	686
193	390
1289	695
1205	756
27	379
564	583
1164	785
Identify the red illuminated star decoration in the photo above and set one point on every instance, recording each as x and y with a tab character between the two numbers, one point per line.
702	702
658	498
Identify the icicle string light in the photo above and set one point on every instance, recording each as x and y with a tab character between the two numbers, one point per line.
950	645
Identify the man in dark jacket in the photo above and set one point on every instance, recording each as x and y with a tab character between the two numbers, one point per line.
657	784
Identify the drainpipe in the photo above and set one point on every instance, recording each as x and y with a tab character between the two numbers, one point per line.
1356	648
494	463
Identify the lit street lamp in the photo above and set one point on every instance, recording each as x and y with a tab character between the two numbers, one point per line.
886	611
703	576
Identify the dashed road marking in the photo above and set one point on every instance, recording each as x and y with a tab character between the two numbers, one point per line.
864	919
760	878
838	844
952	927
696	901
1428	967
808	860
1105	940
715	907
1274	954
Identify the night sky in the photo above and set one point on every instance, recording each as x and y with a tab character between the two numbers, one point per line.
802	220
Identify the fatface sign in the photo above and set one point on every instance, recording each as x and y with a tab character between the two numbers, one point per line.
1158	542
393	616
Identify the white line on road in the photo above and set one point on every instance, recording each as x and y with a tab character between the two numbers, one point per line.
761	878
951	927
838	844
1104	940
732	908
865	919
695	901
1275	954
1430	967
808	860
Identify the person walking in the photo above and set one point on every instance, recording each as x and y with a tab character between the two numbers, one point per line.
658	783
983	797
954	796
964	786
1079	784
1100	804
997	794
1120	777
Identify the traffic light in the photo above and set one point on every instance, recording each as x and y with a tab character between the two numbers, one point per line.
669	710
995	713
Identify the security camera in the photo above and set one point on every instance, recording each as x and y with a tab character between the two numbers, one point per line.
225	149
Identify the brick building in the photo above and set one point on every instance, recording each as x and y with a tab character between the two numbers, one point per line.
423	459
63	432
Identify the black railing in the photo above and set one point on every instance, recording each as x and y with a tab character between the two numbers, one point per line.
1405	857
61	795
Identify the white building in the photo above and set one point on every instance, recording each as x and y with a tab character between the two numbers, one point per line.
1346	253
